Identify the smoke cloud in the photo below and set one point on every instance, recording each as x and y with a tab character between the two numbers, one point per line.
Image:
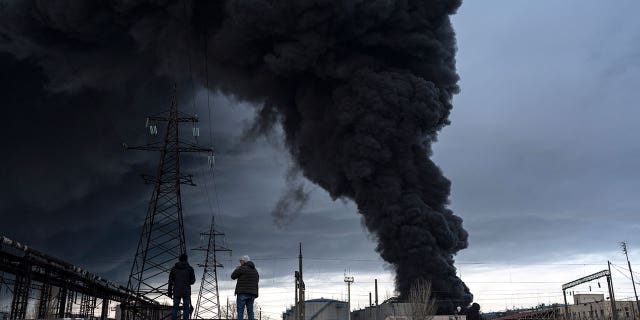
292	200
361	89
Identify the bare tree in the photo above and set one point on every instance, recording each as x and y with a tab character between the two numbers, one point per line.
423	305
229	311
232	311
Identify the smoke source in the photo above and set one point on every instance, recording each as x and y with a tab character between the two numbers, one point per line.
361	89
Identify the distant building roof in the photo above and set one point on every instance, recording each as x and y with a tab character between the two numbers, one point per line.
323	300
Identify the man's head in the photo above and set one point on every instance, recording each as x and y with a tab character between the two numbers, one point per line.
183	257
244	259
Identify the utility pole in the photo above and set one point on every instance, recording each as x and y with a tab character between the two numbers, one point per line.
297	295
162	238
624	250
208	297
300	282
566	307
349	281
612	298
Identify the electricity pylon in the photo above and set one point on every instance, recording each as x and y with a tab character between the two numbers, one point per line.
208	299
162	239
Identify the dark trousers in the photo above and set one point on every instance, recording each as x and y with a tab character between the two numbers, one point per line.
186	304
242	300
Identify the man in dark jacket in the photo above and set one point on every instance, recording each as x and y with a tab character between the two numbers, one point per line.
246	287
181	278
473	313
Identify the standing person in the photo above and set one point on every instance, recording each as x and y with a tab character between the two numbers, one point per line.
473	313
246	287
181	278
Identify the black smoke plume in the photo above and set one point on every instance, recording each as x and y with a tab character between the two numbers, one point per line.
292	200
361	89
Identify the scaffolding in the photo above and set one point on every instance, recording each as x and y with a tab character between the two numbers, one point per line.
55	285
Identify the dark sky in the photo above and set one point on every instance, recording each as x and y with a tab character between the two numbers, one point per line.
542	153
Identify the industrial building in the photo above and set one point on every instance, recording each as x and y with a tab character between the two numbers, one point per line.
584	307
321	309
384	311
596	307
395	311
328	309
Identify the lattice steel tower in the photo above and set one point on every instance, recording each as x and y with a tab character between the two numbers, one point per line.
208	305
162	239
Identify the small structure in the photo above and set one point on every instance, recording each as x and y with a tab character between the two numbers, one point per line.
320	309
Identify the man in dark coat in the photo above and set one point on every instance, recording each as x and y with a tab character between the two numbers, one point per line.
246	287
473	313
181	278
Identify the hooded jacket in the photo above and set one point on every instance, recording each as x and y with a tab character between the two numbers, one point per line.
247	277
181	278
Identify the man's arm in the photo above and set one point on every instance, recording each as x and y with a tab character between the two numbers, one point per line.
171	280
192	276
236	273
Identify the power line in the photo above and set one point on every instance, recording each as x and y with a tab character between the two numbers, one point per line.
622	273
186	29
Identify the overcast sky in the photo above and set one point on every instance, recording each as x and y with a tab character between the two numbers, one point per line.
542	152
542	149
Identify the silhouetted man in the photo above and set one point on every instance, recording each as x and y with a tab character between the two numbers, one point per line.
473	313
181	278
246	287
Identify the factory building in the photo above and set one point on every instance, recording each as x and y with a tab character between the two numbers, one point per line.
596	307
395	311
328	309
320	309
